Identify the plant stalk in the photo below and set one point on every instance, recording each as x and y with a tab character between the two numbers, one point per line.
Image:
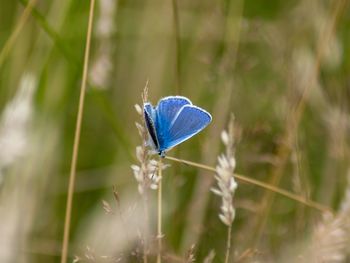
285	193
77	139
228	243
159	234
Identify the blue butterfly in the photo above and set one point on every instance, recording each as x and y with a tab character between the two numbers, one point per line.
173	121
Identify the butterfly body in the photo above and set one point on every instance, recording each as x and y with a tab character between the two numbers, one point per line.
174	120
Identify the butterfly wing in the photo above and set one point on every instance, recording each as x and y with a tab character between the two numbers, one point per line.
150	119
166	111
189	121
168	108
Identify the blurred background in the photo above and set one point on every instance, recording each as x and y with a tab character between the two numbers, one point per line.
281	66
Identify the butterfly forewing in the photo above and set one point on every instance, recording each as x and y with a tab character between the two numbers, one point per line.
166	111
168	108
189	121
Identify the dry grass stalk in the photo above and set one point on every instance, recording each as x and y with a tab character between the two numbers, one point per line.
330	238
226	182
190	257
159	227
77	138
147	172
249	180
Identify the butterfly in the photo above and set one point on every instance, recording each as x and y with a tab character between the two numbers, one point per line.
174	120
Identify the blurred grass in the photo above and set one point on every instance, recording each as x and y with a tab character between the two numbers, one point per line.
256	51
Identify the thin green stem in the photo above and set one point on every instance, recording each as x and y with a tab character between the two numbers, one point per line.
77	139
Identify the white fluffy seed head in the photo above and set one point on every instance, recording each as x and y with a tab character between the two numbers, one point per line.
225	180
146	170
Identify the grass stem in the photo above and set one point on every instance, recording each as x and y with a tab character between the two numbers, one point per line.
145	232
272	188
228	243
159	235
77	139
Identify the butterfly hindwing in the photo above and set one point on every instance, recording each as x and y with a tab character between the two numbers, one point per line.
188	121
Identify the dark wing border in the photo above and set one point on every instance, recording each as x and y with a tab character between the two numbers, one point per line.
151	128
